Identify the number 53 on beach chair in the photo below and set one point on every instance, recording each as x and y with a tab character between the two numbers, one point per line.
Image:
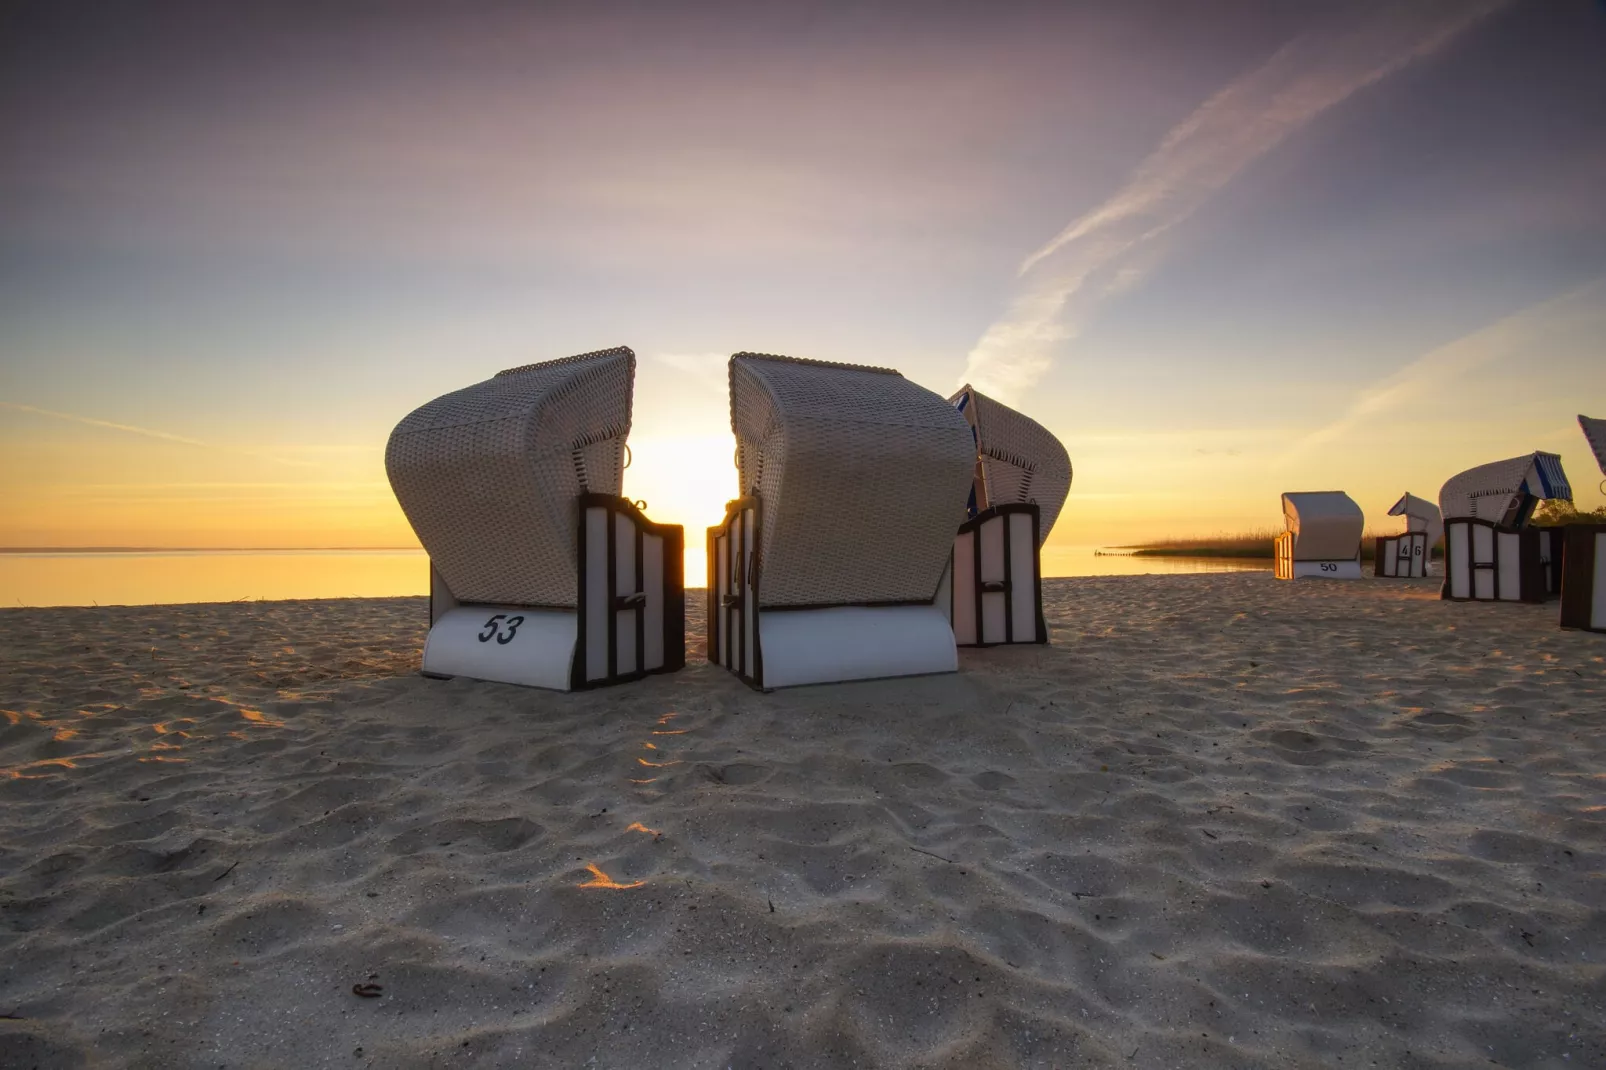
540	572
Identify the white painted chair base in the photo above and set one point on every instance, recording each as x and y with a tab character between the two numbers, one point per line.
504	644
841	643
1324	570
791	647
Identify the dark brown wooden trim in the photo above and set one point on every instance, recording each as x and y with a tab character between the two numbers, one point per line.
674	572
1535	583
738	607
577	670
1012	569
1579	563
1531	580
674	537
846	605
1037	574
1009	577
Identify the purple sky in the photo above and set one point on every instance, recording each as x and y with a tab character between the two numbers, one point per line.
1222	250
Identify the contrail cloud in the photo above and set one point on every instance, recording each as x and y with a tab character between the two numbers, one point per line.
1118	244
147	432
1578	313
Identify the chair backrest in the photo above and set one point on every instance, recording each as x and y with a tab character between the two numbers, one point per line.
1505	492
861	477
1595	434
1017	459
489	475
1420	515
1326	525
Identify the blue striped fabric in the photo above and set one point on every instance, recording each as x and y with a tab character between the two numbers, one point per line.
1552	480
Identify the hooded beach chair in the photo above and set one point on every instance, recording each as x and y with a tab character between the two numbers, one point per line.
1491	553
1018	486
831	565
1408	555
1323	536
1583	570
540	573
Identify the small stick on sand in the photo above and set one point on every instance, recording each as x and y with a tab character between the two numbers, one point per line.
931	854
226	872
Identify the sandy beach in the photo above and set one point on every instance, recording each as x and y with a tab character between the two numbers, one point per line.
1222	821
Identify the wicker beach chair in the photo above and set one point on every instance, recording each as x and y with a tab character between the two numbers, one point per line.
1408	555
1491	552
1021	477
830	565
540	573
1322	537
1583	571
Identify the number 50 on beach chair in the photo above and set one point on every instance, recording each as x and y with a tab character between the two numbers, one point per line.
1322	537
540	573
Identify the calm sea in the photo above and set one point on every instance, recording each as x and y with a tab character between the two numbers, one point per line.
166	576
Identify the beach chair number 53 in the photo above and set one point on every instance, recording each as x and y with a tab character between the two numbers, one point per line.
494	629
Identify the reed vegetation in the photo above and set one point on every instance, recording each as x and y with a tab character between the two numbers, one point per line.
1248	544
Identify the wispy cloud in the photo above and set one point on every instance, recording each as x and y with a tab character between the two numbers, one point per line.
1577	314
163	436
1117	245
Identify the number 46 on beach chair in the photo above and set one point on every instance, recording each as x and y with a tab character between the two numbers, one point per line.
540	572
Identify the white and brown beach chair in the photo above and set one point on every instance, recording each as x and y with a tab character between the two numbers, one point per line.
1583	571
1322	536
1021	477
540	573
1491	552
831	565
1408	555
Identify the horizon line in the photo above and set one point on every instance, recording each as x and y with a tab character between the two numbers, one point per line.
189	549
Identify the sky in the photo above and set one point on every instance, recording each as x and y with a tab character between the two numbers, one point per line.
1222	251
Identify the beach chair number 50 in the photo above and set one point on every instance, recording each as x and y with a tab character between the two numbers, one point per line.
1329	567
494	630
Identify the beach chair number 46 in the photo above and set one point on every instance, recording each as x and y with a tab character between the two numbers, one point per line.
494	629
